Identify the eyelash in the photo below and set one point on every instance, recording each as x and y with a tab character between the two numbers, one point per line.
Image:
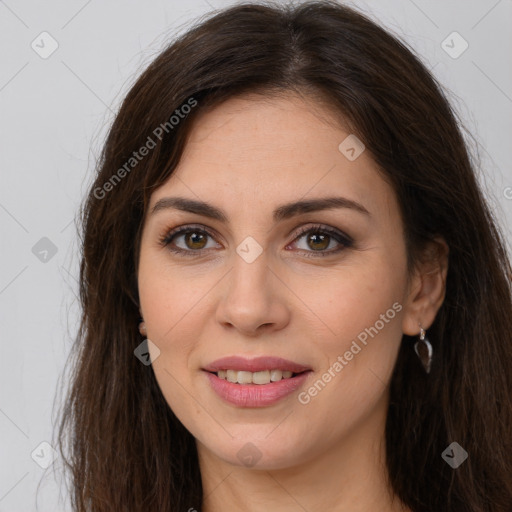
338	236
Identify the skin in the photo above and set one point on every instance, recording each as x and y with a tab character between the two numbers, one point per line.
248	156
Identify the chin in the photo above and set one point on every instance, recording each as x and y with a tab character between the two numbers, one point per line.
257	453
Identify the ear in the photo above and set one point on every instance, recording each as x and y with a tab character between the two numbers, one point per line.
427	288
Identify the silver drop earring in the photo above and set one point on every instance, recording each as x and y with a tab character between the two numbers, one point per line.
424	350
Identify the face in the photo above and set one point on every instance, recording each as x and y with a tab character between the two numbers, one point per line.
251	264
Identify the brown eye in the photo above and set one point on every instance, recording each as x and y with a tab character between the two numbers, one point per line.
195	240
322	241
318	242
187	240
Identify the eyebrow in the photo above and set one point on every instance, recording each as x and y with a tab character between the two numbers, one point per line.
281	213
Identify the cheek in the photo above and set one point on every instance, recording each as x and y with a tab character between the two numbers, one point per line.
171	302
360	332
364	312
169	296
353	298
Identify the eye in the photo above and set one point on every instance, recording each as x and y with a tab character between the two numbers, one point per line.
194	240
319	238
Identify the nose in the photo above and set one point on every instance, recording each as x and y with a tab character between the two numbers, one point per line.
253	298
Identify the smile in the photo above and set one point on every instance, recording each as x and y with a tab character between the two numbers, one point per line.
255	395
255	382
262	377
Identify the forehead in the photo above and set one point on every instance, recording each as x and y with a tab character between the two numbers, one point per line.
255	152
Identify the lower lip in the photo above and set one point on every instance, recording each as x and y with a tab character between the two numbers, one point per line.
255	395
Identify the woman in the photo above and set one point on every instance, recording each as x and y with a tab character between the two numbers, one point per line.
295	296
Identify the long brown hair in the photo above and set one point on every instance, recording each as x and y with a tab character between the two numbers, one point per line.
123	446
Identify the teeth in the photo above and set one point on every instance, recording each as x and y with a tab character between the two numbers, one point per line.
276	375
244	378
263	377
232	376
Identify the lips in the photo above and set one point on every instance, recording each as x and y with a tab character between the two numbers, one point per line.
257	364
247	394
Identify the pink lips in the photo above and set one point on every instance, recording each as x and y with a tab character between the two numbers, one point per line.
256	364
255	395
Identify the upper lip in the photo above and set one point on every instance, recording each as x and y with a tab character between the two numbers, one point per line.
256	364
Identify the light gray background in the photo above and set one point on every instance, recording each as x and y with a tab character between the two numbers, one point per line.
54	116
